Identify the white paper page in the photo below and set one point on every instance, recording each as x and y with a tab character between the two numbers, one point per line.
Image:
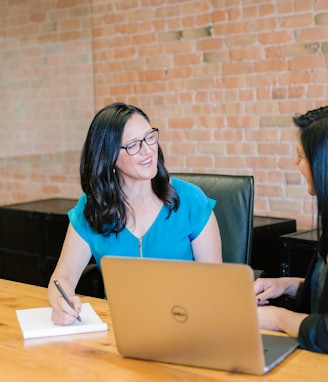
36	322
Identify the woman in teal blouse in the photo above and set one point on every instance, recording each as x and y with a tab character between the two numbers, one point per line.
166	238
130	206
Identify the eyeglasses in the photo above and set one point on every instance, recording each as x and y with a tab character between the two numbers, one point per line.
133	148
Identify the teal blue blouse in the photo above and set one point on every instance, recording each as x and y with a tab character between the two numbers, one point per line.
167	238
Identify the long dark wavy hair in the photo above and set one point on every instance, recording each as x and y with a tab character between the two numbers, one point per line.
106	206
314	139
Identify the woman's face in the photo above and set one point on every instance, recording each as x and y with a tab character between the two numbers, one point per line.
304	167
143	165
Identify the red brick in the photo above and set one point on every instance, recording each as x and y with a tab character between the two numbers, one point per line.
221	79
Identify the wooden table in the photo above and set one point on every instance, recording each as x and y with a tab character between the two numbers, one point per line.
93	357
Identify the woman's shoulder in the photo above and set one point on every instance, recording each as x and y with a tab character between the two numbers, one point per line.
183	186
78	209
81	201
189	191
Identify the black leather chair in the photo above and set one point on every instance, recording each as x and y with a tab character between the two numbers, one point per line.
234	211
91	282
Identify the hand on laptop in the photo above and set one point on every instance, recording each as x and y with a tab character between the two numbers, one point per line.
268	288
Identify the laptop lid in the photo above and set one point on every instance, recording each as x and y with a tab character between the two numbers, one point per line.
187	313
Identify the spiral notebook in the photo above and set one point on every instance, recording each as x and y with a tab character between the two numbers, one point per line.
36	323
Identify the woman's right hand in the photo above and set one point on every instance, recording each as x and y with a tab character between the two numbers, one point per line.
63	314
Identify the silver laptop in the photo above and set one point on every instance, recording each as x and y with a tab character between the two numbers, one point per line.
189	313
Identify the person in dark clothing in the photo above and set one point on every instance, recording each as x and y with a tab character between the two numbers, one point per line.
309	320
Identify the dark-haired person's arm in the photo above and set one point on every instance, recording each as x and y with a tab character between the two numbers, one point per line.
311	329
280	319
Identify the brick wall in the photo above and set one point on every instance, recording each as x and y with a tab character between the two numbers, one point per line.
46	75
220	78
32	177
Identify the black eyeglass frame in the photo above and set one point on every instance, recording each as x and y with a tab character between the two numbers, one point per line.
153	130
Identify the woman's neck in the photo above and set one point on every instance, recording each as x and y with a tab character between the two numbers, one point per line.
138	192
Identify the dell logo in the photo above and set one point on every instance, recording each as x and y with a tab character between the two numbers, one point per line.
179	314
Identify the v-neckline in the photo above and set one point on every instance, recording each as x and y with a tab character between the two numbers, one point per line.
150	227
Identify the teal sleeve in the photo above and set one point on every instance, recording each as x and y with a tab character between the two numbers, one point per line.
195	205
78	220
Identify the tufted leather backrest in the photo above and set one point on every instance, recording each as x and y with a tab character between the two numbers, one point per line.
234	210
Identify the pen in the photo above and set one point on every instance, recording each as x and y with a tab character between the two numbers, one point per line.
62	292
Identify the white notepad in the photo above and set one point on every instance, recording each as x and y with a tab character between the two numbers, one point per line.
36	322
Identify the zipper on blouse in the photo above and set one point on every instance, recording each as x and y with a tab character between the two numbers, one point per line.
140	246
